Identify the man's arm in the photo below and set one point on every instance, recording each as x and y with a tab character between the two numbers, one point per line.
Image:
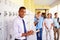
16	31
24	34
52	25
38	30
35	23
45	25
28	33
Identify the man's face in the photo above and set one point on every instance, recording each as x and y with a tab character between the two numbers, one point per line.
49	15
22	13
56	15
38	15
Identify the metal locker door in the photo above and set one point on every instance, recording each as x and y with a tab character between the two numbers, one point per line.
1	28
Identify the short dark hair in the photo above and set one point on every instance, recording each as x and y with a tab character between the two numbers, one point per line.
55	13
21	8
49	13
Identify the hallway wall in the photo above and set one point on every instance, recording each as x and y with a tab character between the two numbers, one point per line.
8	11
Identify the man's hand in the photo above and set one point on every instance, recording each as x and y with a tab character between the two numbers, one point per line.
45	25
38	30
30	32
52	25
24	34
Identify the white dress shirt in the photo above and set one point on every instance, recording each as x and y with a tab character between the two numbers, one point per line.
48	22
48	34
18	28
56	22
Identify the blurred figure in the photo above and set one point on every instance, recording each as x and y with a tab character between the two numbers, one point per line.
44	15
56	26
40	25
20	29
51	16
36	21
48	24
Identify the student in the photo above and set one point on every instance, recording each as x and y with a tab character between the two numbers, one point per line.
36	18
36	21
20	29
48	23
51	16
56	26
40	25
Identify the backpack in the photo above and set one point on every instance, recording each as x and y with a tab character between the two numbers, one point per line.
58	21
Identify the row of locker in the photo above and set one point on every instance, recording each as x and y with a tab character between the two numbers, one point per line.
8	11
7	15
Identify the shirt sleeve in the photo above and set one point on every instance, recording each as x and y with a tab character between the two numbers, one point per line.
35	20
43	23
51	20
16	30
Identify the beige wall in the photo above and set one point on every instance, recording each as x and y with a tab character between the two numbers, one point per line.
30	5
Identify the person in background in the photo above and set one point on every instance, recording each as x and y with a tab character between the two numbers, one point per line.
51	16
40	25
43	15
36	21
48	24
20	29
56	26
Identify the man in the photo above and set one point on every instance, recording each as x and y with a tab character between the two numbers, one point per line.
56	26
36	21
20	30
48	24
39	28
36	18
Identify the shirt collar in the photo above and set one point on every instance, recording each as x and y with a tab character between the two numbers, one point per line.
20	17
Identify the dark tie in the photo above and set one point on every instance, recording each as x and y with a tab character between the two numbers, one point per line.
24	26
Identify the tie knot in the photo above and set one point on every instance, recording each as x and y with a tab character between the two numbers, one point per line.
23	20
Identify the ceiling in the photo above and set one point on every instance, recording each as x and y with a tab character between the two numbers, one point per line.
44	2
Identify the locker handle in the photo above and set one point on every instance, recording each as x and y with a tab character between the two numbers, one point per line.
0	28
